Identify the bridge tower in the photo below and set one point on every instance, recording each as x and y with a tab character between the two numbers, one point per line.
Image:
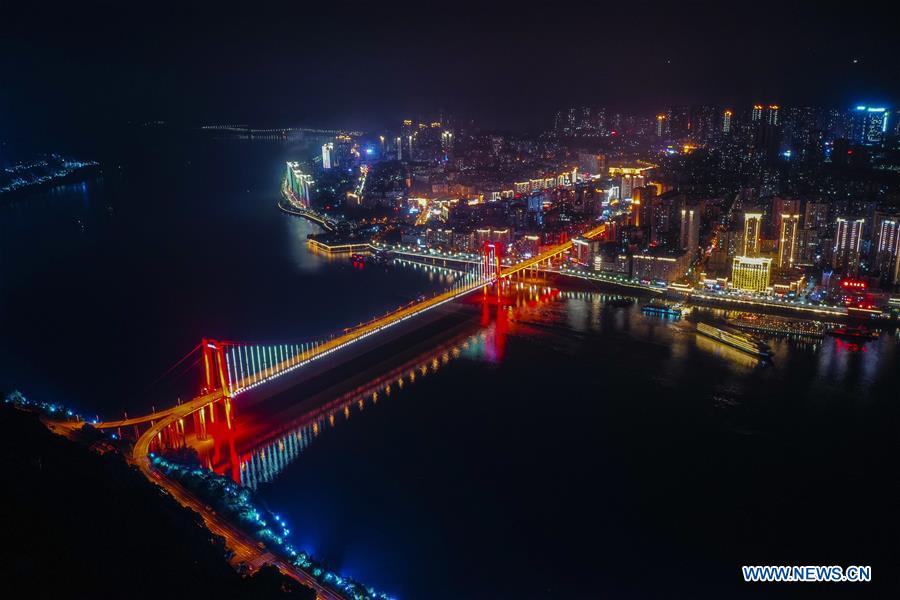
490	262
216	376
214	365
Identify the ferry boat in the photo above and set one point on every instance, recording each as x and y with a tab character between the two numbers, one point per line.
778	326
853	333
735	339
663	309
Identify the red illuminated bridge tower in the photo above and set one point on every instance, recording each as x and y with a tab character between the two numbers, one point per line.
216	376
214	366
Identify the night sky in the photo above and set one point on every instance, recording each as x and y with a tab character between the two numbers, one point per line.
339	64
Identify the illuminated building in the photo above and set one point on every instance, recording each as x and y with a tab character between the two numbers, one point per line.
592	163
327	149
660	266
501	237
640	198
446	141
726	121
887	247
689	237
627	185
756	114
783	206
299	183
767	130
662	213
609	259
765	114
660	125
787	243
869	124
816	216
752	227
584	250
847	239
529	245
751	274
617	170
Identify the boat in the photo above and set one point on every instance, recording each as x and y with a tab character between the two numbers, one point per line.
853	333
663	309
735	339
778	326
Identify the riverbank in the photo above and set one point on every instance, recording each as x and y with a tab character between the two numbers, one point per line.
78	175
81	521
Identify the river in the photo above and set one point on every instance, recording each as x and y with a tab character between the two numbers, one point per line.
548	445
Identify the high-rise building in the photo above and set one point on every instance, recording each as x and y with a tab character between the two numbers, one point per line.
660	125
847	239
689	237
767	129
816	215
751	274
752	231
628	183
868	125
783	206
787	243
327	149
809	246
887	246
660	218
299	184
726	121
756	113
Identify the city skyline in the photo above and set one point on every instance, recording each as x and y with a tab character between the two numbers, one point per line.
201	65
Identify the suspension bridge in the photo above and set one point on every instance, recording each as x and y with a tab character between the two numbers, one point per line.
231	368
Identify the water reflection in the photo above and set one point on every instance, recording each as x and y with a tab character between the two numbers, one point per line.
740	361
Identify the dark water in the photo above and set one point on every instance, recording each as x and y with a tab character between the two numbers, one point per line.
550	447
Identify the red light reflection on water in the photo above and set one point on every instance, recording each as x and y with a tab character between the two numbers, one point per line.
845	346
